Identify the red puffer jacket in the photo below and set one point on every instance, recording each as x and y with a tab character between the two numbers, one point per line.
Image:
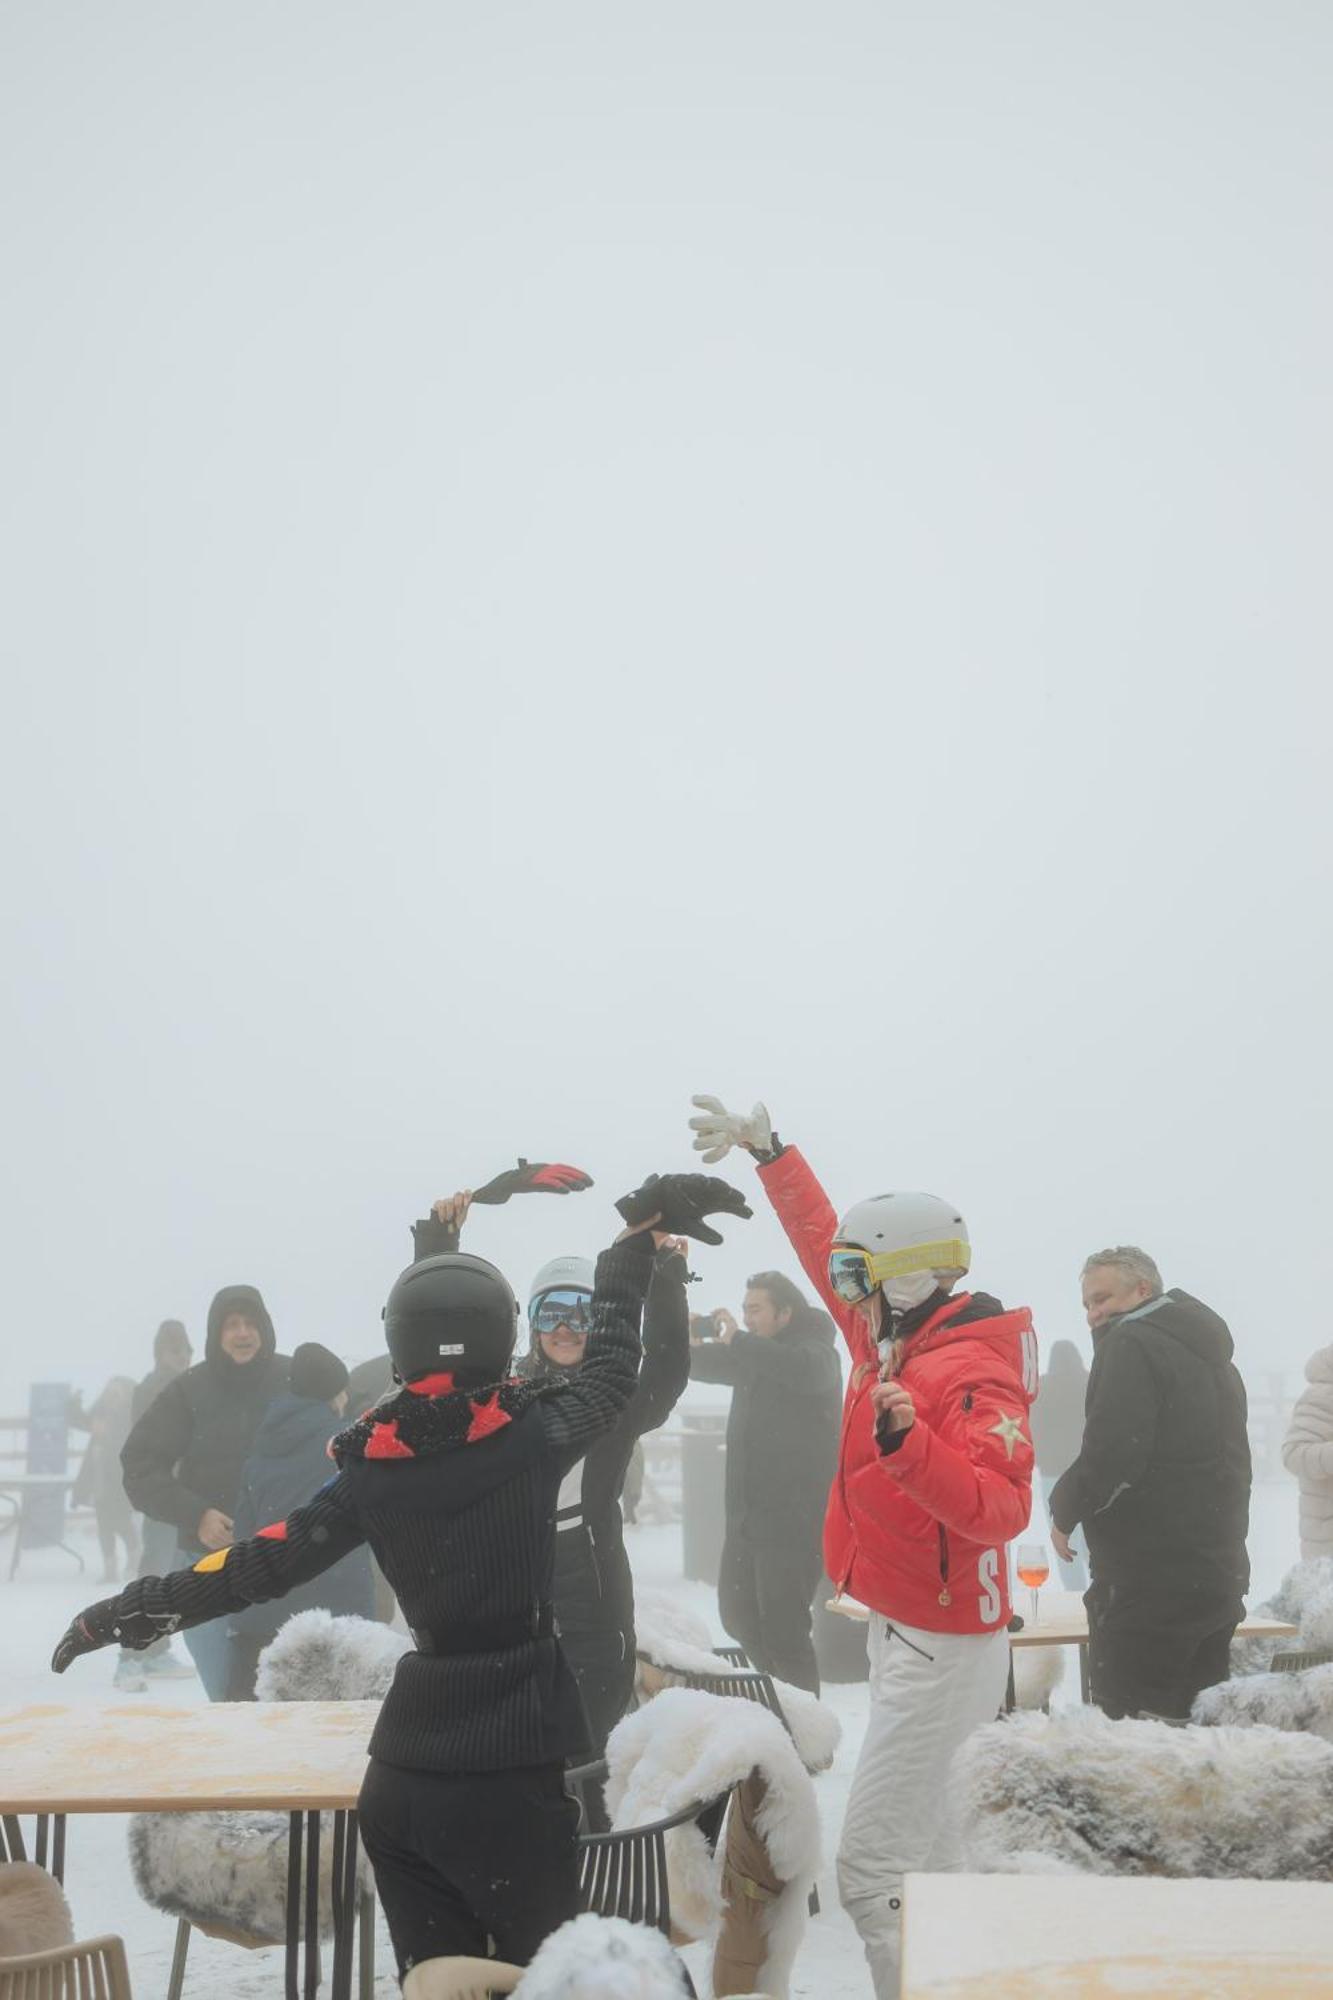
920	1533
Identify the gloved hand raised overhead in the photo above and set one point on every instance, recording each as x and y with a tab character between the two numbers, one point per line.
532	1177
718	1130
681	1201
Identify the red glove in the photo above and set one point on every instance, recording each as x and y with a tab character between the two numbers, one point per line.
529	1177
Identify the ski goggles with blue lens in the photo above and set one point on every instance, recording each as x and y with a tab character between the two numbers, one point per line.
561	1308
850	1276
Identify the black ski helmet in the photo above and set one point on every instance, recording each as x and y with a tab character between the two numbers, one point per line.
452	1315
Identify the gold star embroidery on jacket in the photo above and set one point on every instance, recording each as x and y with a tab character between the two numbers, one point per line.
1010	1431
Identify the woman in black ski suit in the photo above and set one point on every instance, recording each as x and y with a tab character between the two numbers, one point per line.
594	1588
453	1483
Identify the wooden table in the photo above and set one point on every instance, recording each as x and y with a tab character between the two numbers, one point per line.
1063	1621
1091	1937
301	1758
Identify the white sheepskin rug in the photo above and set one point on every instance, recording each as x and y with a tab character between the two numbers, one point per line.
1304	1598
670	1638
1078	1793
687	1747
1299	1702
317	1657
227	1871
604	1958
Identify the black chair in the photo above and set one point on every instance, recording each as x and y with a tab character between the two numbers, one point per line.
746	1683
625	1874
736	1655
1296	1663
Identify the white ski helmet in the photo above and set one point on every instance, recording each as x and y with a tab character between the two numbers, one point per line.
563	1274
893	1236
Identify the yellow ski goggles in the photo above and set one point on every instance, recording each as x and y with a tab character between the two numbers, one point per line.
854	1273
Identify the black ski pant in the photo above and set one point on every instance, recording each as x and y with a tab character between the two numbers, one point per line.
469	1859
763	1599
1151	1649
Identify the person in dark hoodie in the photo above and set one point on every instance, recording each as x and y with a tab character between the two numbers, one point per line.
782	1449
594	1589
1161	1486
182	1461
453	1482
288	1463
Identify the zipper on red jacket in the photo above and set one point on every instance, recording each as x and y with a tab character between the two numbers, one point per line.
946	1595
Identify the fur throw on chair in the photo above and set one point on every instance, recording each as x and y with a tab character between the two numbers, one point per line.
226	1872
688	1746
317	1657
34	1915
1304	1598
604	1958
1301	1702
675	1642
1078	1793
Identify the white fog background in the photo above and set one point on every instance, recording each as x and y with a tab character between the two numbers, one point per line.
561	556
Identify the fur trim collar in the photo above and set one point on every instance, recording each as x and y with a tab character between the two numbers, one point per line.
432	1416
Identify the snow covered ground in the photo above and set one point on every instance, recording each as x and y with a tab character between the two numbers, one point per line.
39	1604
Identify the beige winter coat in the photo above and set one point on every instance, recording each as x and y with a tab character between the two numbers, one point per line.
1308	1453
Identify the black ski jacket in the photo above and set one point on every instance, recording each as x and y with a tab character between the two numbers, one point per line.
456	1495
1161	1483
783	1426
185	1453
594	1589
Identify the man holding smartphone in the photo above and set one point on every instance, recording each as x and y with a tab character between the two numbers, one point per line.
782	1447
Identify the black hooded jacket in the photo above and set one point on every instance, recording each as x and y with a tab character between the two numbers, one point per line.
185	1453
1161	1484
782	1431
594	1589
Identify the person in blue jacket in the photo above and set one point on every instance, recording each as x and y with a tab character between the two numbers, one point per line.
288	1464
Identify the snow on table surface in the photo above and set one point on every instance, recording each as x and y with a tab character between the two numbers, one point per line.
140	1755
1042	1937
36	1607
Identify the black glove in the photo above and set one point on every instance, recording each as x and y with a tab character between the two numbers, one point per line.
682	1201
108	1623
532	1177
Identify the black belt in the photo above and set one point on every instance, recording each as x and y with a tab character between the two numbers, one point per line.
495	1635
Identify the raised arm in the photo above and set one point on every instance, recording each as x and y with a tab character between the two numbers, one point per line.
666	1342
276	1560
799	1202
579	1410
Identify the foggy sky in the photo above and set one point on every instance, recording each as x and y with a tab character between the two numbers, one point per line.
564	556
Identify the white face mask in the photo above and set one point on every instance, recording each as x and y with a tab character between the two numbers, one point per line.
913	1289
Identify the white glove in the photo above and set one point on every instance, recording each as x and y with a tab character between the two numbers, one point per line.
718	1130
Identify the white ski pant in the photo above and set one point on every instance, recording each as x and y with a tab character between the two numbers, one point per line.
928	1692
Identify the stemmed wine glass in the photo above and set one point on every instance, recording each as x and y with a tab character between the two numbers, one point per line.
1034	1566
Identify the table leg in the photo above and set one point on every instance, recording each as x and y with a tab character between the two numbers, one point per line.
312	1906
344	1903
39	1853
367	1969
293	1965
1010	1692
1084	1677
58	1848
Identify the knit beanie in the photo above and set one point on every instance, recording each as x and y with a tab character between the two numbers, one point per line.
317	1373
